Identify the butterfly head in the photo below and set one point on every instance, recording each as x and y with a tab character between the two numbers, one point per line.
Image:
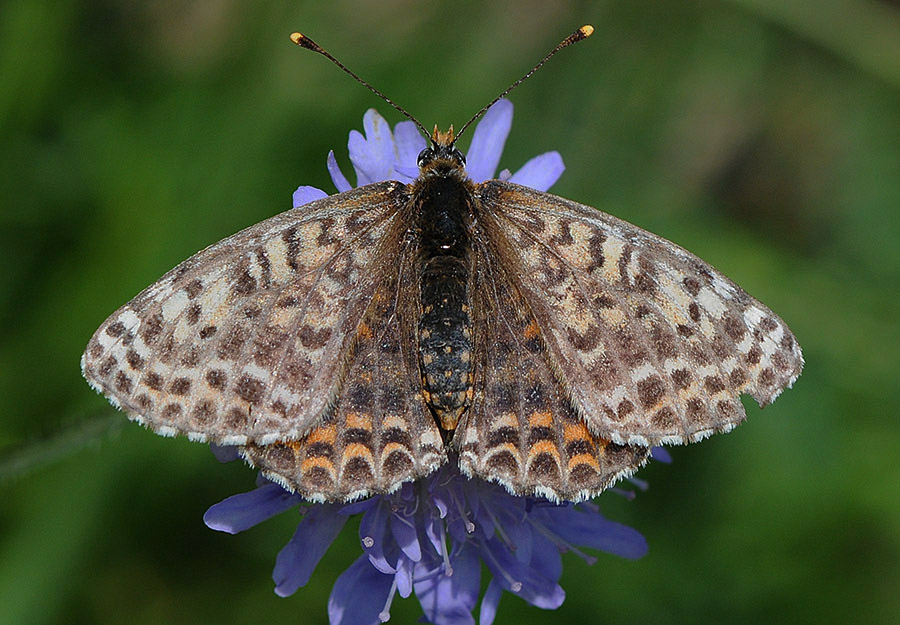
442	156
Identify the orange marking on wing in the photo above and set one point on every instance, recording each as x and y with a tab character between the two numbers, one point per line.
357	450
544	447
359	420
293	445
364	331
317	462
575	431
392	447
323	434
504	447
543	418
587	459
532	330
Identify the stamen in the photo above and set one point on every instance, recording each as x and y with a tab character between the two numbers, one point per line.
448	570
561	544
385	615
368	542
627	494
514	584
470	527
498	527
641	484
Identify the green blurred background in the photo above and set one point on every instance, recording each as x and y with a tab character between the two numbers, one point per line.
763	135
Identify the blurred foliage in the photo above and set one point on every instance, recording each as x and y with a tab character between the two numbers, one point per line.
762	135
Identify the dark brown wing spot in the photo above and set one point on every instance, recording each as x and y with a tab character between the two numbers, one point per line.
134	359
249	389
123	383
694	312
172	411
151	328
754	355
153	381
203	413
216	378
180	386
691	285
544	466
734	328
397	464
681	378
194	288
193	313
714	384
650	391
664	419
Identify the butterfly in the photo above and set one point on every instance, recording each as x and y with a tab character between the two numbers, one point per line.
365	339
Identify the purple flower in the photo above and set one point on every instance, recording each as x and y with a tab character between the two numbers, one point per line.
381	155
431	536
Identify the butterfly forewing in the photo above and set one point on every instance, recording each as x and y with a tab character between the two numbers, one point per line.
380	433
248	339
652	344
522	430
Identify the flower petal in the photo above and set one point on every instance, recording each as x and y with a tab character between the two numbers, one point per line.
586	528
298	559
488	141
406	536
404	576
449	600
373	155
358	595
521	579
408	143
337	176
374	533
490	602
224	453
545	557
245	510
661	454
306	194
541	172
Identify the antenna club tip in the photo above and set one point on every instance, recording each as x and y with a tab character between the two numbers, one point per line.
586	31
305	42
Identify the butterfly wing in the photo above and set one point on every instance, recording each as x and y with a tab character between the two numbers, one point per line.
248	340
652	344
380	432
522	430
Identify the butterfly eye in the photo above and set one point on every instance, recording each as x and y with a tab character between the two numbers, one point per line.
459	157
424	156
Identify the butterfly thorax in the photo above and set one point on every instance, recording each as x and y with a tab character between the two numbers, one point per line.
443	197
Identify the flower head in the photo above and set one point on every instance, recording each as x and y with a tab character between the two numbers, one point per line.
430	537
380	155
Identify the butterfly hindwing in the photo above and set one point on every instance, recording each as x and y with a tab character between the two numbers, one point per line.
247	339
522	430
379	433
653	344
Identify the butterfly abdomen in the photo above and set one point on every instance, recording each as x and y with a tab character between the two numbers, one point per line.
445	327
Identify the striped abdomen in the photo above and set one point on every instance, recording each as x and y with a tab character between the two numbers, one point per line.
445	328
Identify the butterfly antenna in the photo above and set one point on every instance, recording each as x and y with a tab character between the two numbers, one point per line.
305	42
582	33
